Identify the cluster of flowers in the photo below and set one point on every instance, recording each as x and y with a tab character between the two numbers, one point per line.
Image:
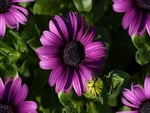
69	49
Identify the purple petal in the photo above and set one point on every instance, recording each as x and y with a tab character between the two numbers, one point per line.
76	84
1	88
55	75
68	85
131	97
127	103
50	63
11	21
46	52
138	92
22	1
127	18
22	94
2	26
135	22
142	23
59	27
148	24
14	89
95	50
136	111
27	107
122	5
147	87
18	15
62	27
61	82
49	38
86	73
53	28
73	21
23	10
88	36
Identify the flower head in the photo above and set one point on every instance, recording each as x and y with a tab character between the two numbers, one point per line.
11	14
94	88
12	97
137	15
69	50
138	98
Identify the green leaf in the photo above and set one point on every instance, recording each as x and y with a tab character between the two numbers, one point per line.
142	42
46	7
142	56
118	80
83	5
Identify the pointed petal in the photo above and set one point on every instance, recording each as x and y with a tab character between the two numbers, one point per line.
2	26
55	75
61	82
147	87
136	111
49	38
76	84
27	107
13	1
148	24
95	50
1	88
131	97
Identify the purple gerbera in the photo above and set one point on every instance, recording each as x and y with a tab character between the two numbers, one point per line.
137	15
138	98
11	14
12	97
68	48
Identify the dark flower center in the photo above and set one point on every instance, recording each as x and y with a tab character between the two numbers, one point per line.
73	53
5	109
145	107
4	5
145	4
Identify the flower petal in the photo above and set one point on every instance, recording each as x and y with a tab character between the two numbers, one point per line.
131	97
13	1
61	82
127	103
49	38
27	107
1	88
55	75
147	87
95	50
10	20
122	5
76	84
18	16
136	111
50	63
46	52
2	26
148	24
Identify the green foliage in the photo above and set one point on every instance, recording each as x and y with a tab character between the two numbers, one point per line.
143	49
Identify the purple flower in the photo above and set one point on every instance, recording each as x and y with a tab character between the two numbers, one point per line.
68	48
138	98
12	97
11	14
137	15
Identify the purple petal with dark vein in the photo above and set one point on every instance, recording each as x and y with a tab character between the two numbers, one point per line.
49	38
2	26
14	89
27	107
1	88
61	82
55	75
